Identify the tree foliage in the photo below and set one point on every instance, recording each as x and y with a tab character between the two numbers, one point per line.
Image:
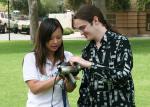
141	4
118	5
21	5
75	4
3	7
51	6
45	6
41	10
3	1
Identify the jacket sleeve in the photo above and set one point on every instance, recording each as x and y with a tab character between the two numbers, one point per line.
121	72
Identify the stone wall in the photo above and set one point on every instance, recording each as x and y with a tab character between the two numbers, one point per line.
132	23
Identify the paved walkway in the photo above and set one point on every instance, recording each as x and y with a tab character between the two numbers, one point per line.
75	36
14	37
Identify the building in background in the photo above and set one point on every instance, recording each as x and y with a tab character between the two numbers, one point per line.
131	22
64	18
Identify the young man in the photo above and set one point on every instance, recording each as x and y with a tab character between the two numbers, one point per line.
107	63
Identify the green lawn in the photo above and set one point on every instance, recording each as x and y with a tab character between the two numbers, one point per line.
13	91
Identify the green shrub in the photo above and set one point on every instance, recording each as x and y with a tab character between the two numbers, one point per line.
68	31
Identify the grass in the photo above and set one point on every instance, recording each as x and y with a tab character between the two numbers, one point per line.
13	91
141	74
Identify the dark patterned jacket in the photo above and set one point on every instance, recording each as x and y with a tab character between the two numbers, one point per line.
108	83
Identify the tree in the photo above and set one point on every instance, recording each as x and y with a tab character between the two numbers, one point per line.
20	5
75	4
33	14
3	1
3	6
88	2
100	4
41	11
118	5
141	4
50	6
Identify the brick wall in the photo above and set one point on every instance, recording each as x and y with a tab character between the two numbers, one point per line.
132	23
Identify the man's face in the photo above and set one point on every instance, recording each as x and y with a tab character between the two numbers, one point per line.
85	28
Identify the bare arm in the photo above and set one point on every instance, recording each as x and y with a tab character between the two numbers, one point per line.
37	86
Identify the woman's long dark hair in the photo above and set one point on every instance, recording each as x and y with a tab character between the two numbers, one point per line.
45	31
87	12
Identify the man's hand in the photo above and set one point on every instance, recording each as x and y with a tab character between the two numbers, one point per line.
83	63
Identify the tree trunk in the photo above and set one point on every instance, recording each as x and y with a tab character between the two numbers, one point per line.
33	14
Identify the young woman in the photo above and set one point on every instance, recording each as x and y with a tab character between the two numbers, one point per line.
46	88
107	63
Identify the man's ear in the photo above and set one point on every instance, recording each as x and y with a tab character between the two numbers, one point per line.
95	20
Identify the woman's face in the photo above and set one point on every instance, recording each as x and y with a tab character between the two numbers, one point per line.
55	41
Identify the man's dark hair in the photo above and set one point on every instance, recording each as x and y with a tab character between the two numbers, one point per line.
87	12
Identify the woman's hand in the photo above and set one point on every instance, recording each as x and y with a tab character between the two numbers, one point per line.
83	63
69	86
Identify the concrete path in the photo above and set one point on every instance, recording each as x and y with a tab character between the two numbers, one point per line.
75	36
